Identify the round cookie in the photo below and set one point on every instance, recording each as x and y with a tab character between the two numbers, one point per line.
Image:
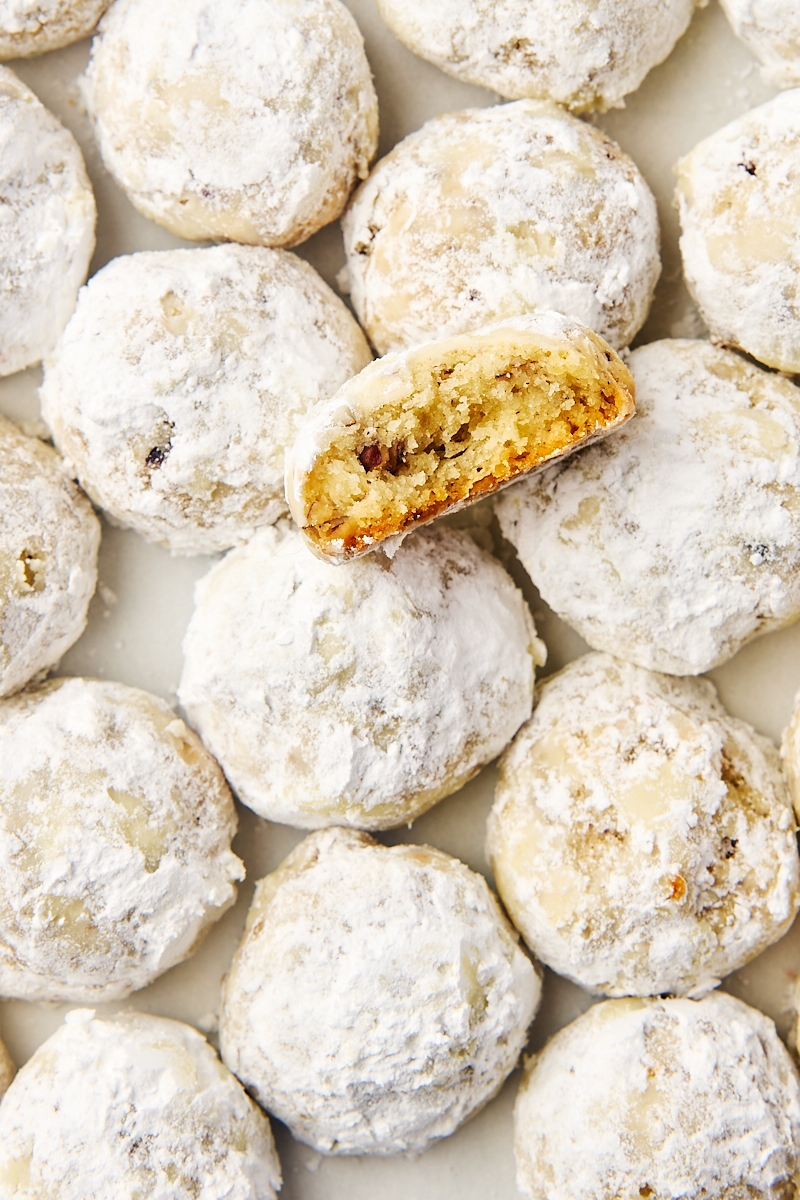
115	829
29	27
661	1098
181	379
378	998
677	540
737	197
49	538
247	120
642	840
771	30
132	1105
359	695
443	424
488	213
583	53
47	231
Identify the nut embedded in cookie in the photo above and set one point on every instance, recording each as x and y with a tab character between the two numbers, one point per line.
444	423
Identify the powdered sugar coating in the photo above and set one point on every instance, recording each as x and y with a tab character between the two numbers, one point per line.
771	30
356	695
47	231
115	832
790	753
132	1105
180	380
642	840
669	1098
488	213
378	997
49	538
676	540
584	55
737	196
29	27
248	120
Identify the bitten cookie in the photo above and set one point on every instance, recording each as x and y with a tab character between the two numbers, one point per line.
132	1105
660	1098
359	695
115	832
378	998
181	379
248	120
737	196
29	27
47	230
49	538
584	54
488	213
440	425
642	840
771	30
677	540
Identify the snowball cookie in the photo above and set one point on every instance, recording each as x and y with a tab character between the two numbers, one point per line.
132	1105
584	54
182	377
445	423
249	120
29	27
359	695
771	30
488	213
737	197
677	540
642	840
378	997
47	230
115	831
660	1098
49	538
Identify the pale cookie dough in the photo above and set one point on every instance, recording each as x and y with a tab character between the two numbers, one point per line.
642	840
356	695
379	996
445	423
662	1099
583	53
488	213
29	27
771	30
128	1106
47	226
738	200
248	120
115	831
677	540
49	538
181	379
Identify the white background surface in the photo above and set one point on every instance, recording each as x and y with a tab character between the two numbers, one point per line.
138	617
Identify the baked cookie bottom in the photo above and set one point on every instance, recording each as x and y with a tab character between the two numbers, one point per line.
447	422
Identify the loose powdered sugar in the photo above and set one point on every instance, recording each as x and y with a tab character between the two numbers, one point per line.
115	828
584	55
489	213
180	381
379	996
47	222
356	695
49	539
737	195
677	539
132	1105
241	119
642	840
30	27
